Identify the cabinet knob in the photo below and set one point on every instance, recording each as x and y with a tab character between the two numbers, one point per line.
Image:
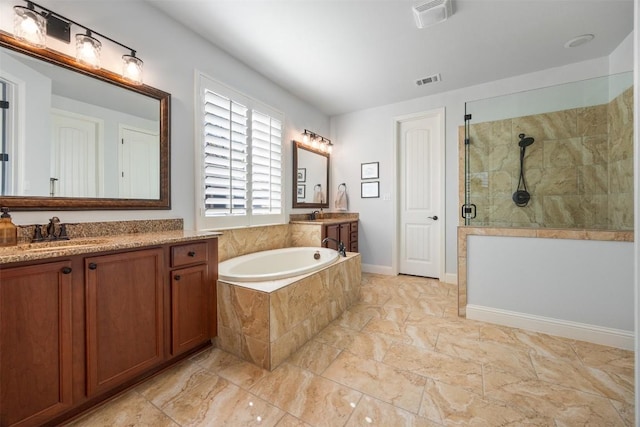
191	254
93	266
66	270
176	277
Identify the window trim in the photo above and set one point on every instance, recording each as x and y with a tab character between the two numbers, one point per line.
202	82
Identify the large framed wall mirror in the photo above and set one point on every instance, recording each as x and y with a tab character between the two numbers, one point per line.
310	177
77	138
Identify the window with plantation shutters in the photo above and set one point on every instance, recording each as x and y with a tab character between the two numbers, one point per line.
240	167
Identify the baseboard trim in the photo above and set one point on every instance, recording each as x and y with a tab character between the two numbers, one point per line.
450	278
564	328
378	269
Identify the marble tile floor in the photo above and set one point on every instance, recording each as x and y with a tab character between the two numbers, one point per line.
399	357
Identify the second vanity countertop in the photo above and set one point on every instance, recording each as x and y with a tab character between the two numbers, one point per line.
327	218
85	245
322	221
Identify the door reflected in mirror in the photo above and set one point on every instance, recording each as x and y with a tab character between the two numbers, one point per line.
74	137
310	177
70	135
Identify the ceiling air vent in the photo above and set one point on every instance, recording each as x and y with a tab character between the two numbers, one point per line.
431	79
432	12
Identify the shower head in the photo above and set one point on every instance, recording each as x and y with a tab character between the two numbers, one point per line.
525	142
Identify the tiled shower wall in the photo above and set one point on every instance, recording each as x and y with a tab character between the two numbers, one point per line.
579	170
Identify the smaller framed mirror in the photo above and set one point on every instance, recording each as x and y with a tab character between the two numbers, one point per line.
310	177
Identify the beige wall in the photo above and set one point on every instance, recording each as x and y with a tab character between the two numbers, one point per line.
579	171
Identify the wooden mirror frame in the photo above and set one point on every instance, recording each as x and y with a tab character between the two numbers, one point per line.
296	146
23	203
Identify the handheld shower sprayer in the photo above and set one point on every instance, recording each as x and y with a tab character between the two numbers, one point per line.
521	197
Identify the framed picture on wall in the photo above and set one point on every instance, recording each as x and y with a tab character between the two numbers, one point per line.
369	170
370	190
302	174
302	191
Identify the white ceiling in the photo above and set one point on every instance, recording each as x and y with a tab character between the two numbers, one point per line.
346	55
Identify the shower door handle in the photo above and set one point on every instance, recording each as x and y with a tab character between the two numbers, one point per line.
435	217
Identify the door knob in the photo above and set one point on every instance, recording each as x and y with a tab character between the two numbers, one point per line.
435	217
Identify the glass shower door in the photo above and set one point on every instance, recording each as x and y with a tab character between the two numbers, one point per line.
567	148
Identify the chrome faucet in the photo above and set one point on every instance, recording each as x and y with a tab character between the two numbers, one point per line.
341	249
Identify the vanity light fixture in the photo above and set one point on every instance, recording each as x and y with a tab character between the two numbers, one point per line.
29	26
316	141
32	26
132	68
88	49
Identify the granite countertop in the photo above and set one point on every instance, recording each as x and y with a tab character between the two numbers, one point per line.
323	221
85	245
327	218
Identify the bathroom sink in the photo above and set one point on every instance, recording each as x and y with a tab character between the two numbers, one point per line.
62	245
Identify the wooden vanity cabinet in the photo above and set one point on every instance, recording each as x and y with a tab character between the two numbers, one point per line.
124	317
76	330
346	232
35	343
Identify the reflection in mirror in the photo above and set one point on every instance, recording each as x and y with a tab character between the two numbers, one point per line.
310	177
78	138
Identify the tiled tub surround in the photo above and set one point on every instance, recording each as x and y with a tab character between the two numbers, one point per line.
241	241
579	170
541	233
266	328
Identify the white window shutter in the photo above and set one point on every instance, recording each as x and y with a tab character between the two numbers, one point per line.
225	156
266	164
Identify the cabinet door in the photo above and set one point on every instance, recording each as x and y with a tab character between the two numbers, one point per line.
124	316
35	341
190	292
332	231
345	234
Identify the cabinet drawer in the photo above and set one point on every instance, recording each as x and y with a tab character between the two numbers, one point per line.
353	247
354	237
192	253
354	226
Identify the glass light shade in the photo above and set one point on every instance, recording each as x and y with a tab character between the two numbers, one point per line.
29	26
132	69
88	50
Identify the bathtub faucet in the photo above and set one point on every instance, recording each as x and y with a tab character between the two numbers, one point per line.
341	249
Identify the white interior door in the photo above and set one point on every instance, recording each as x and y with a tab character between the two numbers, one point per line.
420	142
139	159
74	156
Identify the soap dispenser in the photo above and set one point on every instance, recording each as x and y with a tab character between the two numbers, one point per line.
8	230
